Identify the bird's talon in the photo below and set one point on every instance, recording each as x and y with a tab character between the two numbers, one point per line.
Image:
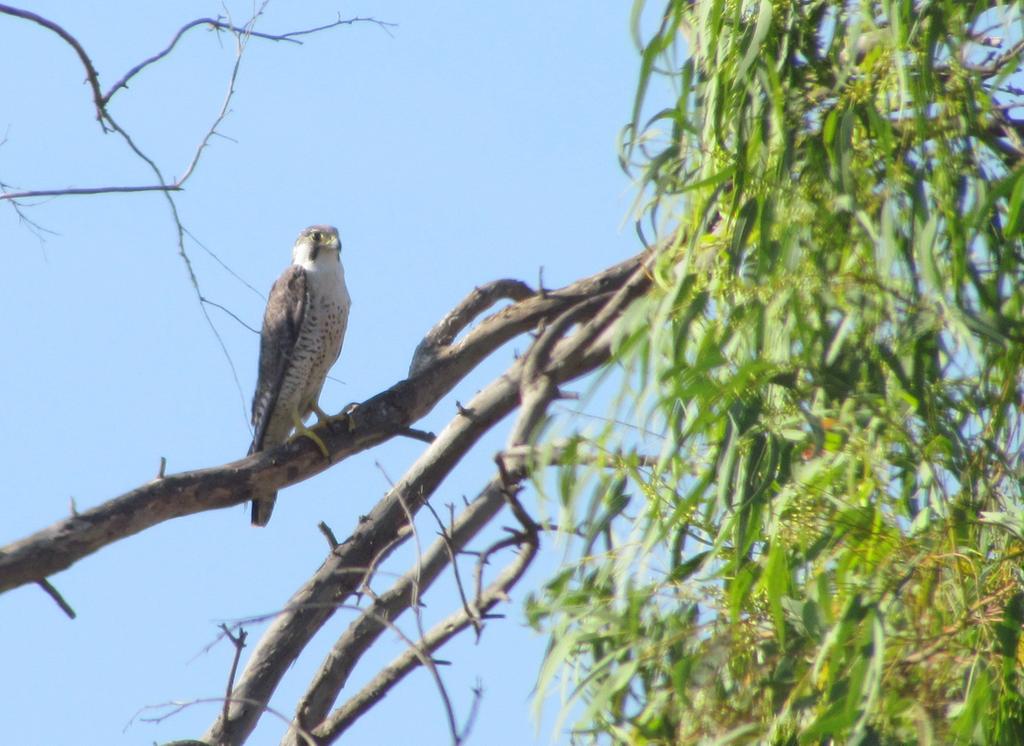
304	432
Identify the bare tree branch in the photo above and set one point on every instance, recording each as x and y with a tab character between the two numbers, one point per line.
357	639
453	562
80	191
996	62
342	574
537	390
422	654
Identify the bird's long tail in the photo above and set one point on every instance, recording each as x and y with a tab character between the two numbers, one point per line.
262	500
262	507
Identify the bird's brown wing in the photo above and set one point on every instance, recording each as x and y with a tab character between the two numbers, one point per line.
282	323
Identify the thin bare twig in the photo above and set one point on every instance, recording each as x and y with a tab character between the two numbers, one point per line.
220	24
176	707
80	191
453	560
229	312
996	63
213	255
332	541
55	595
422	652
239	642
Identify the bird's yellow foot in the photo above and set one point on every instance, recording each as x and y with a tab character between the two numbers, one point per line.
301	431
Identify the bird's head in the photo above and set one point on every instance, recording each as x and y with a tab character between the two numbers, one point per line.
317	244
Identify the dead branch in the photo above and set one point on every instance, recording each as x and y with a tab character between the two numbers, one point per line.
996	62
453	562
442	553
332	542
423	656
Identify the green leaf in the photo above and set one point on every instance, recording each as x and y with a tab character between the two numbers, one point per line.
761	29
745	222
776	584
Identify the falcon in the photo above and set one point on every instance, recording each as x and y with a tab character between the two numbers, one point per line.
303	328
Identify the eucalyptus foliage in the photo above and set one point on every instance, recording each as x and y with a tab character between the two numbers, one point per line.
804	520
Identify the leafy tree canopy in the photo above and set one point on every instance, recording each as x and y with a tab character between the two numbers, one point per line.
812	530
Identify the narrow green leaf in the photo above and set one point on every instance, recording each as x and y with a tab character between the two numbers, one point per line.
776	584
761	29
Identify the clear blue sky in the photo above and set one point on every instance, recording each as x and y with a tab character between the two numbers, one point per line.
473	142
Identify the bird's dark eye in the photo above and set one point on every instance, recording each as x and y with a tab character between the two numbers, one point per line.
317	236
